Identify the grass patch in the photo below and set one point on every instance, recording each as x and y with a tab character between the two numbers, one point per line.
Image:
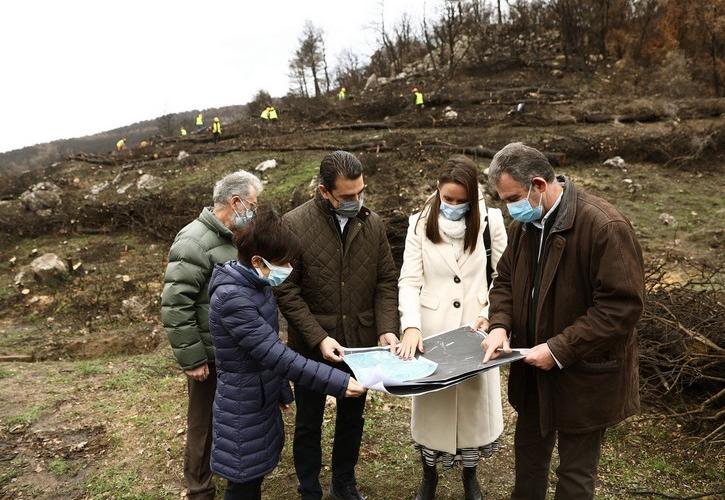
27	417
6	373
60	466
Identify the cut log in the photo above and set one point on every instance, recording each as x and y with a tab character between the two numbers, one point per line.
354	126
16	358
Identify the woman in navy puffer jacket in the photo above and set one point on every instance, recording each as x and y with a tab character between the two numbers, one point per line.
253	365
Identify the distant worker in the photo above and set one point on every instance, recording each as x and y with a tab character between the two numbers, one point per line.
216	129
199	122
518	110
121	145
265	114
342	94
183	132
272	113
418	99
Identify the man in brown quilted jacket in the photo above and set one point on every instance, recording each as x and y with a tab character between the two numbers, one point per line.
342	293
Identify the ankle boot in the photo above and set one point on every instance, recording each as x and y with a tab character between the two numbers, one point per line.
471	488
427	490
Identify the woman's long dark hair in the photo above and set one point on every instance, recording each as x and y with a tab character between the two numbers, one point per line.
461	170
267	236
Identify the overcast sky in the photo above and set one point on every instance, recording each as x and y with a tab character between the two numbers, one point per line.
72	68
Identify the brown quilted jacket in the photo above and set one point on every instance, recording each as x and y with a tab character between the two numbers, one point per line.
350	291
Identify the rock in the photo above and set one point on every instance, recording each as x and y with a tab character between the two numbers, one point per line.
400	76
627	181
148	182
666	219
449	113
97	188
124	188
42	300
21	277
12	260
41	198
48	268
183	155
557	73
133	307
371	82
266	165
382	81
616	162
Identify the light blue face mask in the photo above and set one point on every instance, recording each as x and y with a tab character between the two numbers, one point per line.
242	220
454	212
277	274
522	210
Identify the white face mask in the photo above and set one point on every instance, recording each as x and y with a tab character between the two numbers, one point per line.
277	274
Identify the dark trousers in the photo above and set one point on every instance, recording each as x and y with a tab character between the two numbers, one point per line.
251	490
197	471
216	137
307	449
578	459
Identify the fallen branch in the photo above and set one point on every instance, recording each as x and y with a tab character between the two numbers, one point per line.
354	126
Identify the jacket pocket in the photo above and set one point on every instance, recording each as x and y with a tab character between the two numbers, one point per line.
262	393
597	367
429	301
366	318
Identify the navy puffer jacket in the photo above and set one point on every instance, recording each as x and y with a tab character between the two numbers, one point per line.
253	368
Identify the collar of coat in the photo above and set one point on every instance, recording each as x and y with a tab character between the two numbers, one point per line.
324	206
567	207
211	221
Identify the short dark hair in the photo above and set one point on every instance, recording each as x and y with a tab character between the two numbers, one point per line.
339	164
461	170
267	236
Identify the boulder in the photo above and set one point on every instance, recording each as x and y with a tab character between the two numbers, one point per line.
266	165
41	198
183	155
48	268
666	219
616	162
97	188
449	113
371	82
148	182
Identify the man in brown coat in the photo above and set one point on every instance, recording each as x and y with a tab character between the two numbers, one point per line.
570	287
343	292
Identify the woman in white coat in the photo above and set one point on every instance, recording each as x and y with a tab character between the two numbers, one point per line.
442	286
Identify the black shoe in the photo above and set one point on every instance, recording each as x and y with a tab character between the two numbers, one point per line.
345	492
427	489
471	488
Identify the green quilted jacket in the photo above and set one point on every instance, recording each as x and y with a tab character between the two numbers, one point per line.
185	299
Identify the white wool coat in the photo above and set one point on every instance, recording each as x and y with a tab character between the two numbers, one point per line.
432	282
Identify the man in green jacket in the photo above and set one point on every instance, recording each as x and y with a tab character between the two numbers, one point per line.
200	245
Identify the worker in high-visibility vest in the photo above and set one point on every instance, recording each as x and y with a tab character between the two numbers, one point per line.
342	94
121	145
272	113
199	121
418	99
183	132
216	129
265	114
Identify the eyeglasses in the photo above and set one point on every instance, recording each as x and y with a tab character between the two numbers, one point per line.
252	206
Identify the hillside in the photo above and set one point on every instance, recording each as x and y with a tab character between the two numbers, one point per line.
39	156
110	424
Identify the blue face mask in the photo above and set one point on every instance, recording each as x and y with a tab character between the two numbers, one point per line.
454	212
242	220
522	210
277	274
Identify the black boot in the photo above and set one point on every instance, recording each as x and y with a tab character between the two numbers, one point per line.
427	490
471	488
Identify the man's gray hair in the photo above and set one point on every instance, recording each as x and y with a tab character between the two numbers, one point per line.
235	184
522	163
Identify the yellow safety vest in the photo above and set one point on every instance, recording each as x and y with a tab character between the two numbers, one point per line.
272	114
418	98
341	95
199	120
265	114
120	145
216	128
183	131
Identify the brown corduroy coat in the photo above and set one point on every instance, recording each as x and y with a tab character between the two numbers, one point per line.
590	298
